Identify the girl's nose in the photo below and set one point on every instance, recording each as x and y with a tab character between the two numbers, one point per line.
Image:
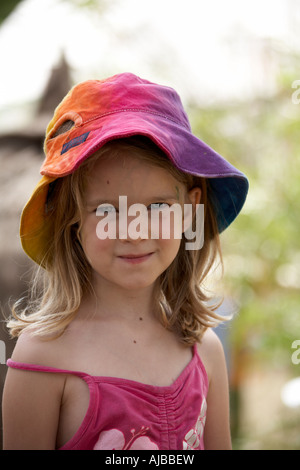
134	228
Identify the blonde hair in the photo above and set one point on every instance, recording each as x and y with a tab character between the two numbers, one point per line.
57	291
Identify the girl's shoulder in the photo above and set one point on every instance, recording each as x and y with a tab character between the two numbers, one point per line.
32	400
47	350
34	349
211	351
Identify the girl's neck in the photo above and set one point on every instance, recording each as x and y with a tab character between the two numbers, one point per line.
117	303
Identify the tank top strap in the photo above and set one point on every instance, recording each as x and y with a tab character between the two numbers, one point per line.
40	368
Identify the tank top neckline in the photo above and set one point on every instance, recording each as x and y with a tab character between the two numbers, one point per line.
117	380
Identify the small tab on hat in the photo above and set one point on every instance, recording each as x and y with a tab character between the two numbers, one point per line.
74	142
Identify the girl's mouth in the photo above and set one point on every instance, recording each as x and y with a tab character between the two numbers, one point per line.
135	258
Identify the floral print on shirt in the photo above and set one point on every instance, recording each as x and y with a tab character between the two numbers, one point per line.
114	439
193	437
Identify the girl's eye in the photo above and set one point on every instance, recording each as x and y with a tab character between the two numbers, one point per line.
105	209
159	205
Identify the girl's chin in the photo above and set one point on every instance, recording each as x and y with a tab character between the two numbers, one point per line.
102	284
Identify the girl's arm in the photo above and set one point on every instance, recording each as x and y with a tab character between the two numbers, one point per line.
217	427
31	403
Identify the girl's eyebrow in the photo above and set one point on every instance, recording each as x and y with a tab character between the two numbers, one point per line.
98	202
163	197
115	202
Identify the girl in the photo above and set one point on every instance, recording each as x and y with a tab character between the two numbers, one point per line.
115	350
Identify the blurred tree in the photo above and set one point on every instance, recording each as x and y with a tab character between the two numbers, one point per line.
87	3
7	7
262	248
95	6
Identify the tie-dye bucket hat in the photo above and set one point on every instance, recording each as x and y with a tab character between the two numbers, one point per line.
97	111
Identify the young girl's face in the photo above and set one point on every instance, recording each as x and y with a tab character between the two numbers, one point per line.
125	260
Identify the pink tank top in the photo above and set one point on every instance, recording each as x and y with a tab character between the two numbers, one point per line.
125	414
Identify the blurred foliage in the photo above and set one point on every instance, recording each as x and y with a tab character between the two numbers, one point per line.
7	7
262	248
86	3
96	6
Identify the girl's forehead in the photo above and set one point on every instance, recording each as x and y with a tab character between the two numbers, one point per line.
132	177
127	166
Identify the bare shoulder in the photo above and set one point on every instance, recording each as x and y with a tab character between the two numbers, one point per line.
211	352
35	349
210	344
217	427
31	399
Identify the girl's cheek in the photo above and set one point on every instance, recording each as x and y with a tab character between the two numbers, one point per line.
89	240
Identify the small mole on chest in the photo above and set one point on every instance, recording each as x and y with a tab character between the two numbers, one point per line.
140	318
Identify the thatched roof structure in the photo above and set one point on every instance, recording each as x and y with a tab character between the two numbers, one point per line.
21	156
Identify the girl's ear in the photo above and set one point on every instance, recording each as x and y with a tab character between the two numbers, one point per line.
193	198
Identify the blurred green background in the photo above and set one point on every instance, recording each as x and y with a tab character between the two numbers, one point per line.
262	261
259	133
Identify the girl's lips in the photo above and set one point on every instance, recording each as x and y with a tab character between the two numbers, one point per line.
135	259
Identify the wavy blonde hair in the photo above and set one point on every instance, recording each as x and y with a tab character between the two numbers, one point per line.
56	291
